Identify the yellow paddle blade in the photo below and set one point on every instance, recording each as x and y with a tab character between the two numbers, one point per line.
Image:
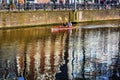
60	18
66	19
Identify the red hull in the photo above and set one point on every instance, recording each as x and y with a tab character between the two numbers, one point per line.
58	29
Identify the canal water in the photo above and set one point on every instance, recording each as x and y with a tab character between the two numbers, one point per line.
89	52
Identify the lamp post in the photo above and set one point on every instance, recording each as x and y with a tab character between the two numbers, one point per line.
74	11
74	5
84	4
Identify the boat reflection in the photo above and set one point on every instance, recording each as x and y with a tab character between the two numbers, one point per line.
38	54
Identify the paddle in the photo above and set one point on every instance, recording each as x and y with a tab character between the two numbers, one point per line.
66	19
60	19
69	22
64	24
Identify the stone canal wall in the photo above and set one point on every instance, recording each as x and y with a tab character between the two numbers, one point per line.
96	15
33	18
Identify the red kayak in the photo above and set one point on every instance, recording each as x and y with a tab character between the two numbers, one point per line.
61	28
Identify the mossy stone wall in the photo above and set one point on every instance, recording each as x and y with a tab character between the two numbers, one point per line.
32	18
96	15
10	19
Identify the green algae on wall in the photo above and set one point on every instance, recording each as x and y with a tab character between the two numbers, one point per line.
96	15
17	19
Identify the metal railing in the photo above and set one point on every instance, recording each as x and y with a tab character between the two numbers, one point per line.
33	6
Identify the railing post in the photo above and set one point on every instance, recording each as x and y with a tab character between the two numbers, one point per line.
74	5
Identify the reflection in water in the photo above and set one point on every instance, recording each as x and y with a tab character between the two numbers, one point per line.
38	54
63	75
